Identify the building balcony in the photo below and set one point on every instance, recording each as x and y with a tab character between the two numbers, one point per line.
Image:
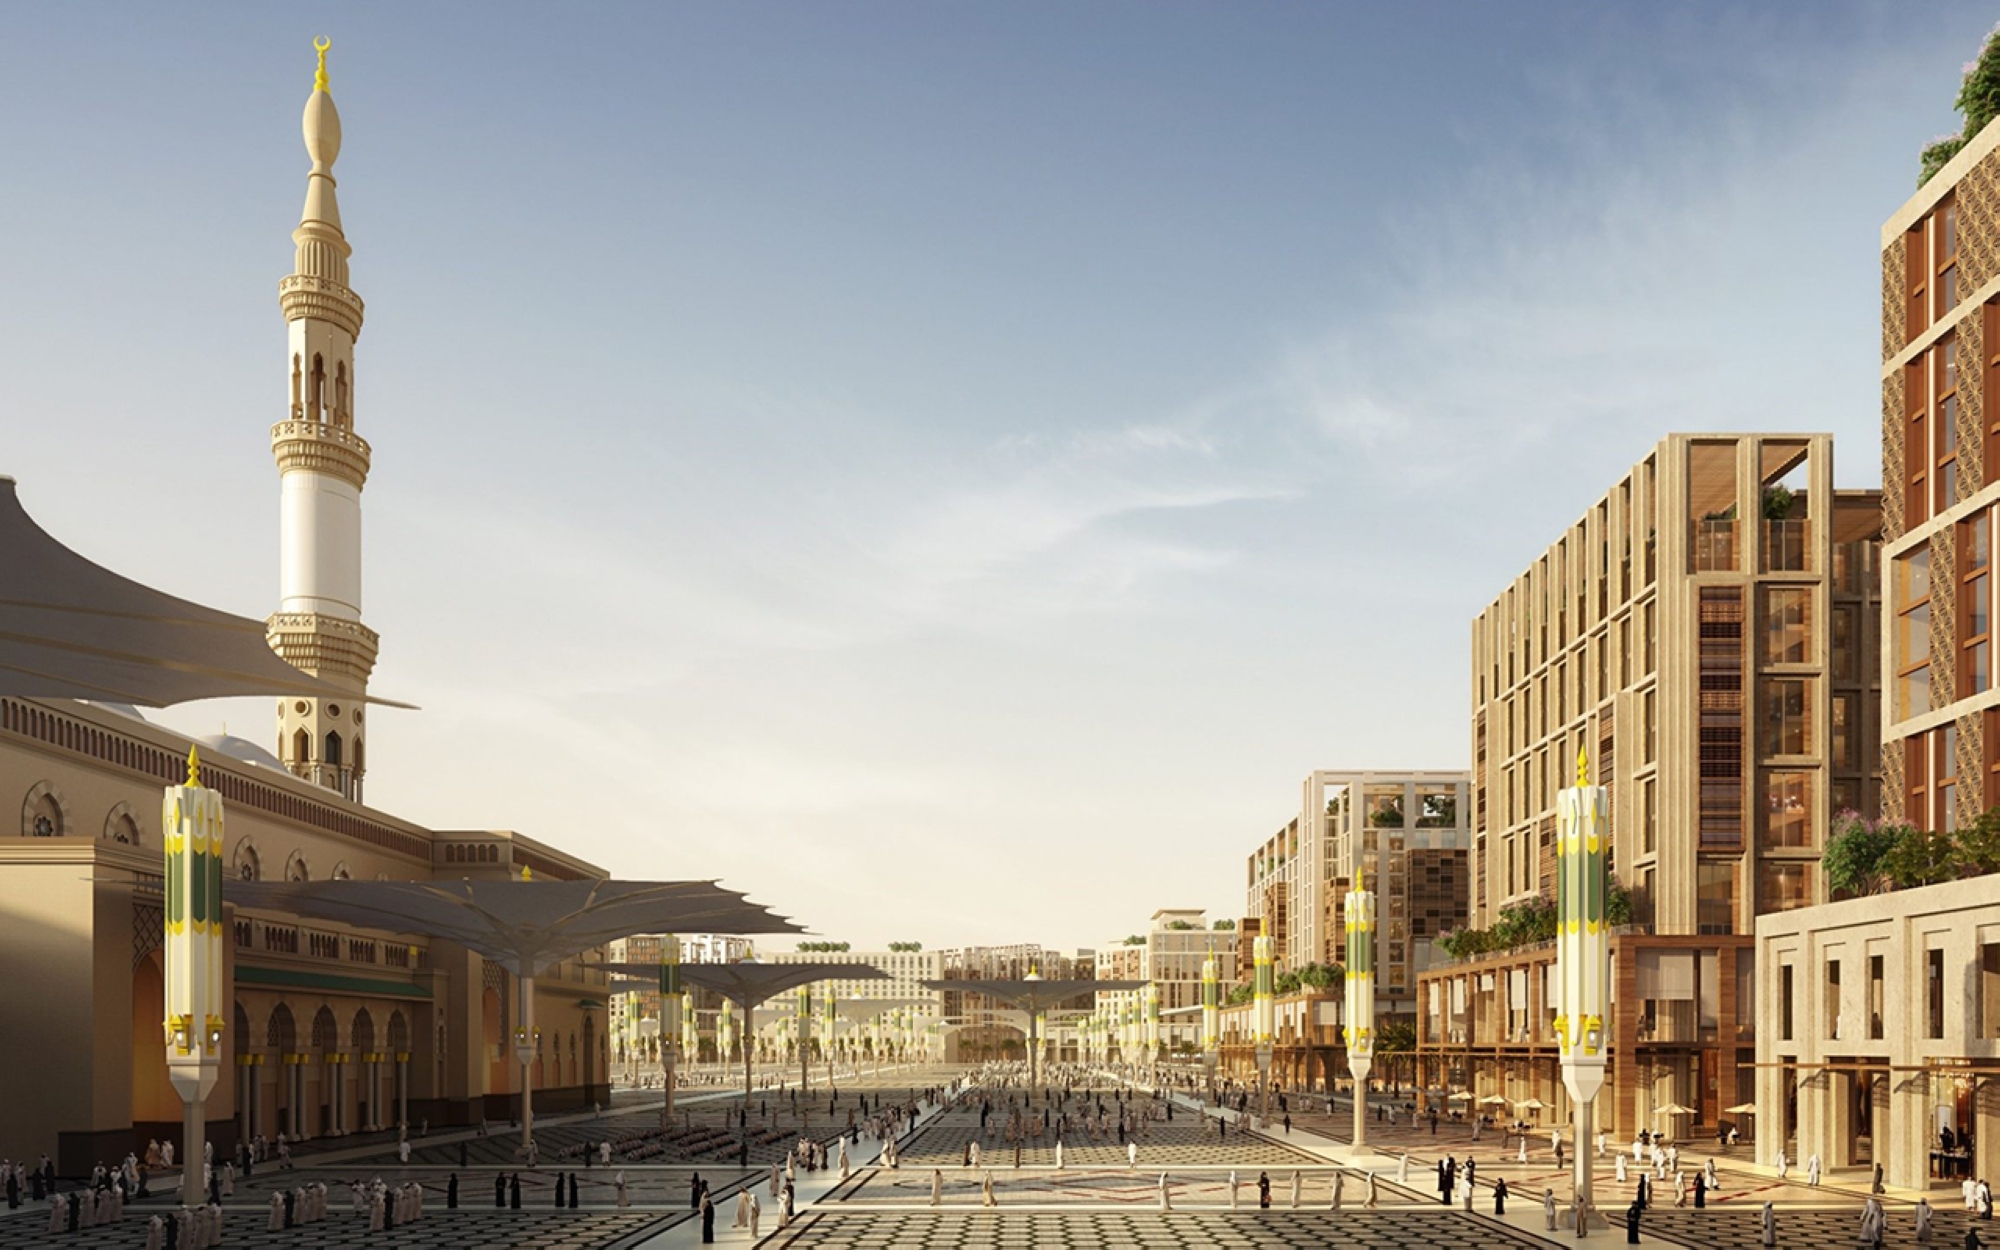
1787	546
1712	545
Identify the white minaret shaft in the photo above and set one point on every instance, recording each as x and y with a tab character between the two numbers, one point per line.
322	466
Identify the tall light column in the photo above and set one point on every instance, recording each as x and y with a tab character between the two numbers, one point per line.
1152	1024
672	998
1264	1015
805	1034
1583	947
191	815
1359	1004
1211	1018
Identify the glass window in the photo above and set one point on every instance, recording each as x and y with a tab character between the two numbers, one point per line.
1784	886
1785	1003
1787	715
1652	815
1845	750
1845	643
1788	625
1715	896
1788	809
1934	994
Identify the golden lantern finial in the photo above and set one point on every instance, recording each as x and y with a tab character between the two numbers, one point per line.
194	767
1582	767
320	45
527	873
1360	879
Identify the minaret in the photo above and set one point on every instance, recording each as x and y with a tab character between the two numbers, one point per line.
322	466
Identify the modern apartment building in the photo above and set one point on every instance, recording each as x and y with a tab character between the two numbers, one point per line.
1707	633
1169	954
1408	830
1940	481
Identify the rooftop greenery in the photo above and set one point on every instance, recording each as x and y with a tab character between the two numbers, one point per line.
1978	102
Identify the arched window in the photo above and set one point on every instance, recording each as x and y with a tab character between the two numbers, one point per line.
340	872
120	827
248	867
360	760
316	398
298	400
296	868
42	813
340	392
301	747
333	749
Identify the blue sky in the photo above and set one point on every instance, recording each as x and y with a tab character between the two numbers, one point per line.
949	470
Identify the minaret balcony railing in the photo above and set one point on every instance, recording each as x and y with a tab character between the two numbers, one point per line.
317	447
306	297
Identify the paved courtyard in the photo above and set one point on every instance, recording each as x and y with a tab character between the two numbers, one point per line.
449	1230
1104	1230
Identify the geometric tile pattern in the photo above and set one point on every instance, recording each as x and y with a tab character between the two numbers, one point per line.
1978	227
1743	1230
1971	334
451	1230
1895	469
1971	794
1248	1230
1944	616
1895	789
1164	1145
1893	288
1140	1189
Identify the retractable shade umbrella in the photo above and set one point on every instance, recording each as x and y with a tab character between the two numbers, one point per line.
1460	1096
1493	1100
1531	1104
747	984
525	926
1741	1108
71	629
1673	1108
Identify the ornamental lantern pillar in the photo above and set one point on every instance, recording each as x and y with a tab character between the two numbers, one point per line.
191	815
1583	957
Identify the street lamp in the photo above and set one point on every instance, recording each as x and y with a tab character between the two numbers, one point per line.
191	815
1359	1004
672	1004
1583	944
1211	1018
1265	1017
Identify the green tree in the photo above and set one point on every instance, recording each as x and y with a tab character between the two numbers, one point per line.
1979	844
1288	983
1618	909
1223	925
1241	994
1320	976
1921	857
1855	849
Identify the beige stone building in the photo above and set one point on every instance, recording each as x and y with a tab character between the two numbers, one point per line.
1707	632
1878	1026
1407	830
332	1030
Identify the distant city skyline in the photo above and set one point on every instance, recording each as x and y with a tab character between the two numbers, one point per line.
885	457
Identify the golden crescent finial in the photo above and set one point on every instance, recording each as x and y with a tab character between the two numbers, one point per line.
194	767
1582	767
320	45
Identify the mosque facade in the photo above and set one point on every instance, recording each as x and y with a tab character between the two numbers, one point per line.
334	1030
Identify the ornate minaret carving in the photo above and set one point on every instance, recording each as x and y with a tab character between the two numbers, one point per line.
322	466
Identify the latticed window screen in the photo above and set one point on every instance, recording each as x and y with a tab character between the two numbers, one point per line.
1721	727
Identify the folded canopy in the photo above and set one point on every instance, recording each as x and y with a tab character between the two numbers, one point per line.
747	984
71	629
526	926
